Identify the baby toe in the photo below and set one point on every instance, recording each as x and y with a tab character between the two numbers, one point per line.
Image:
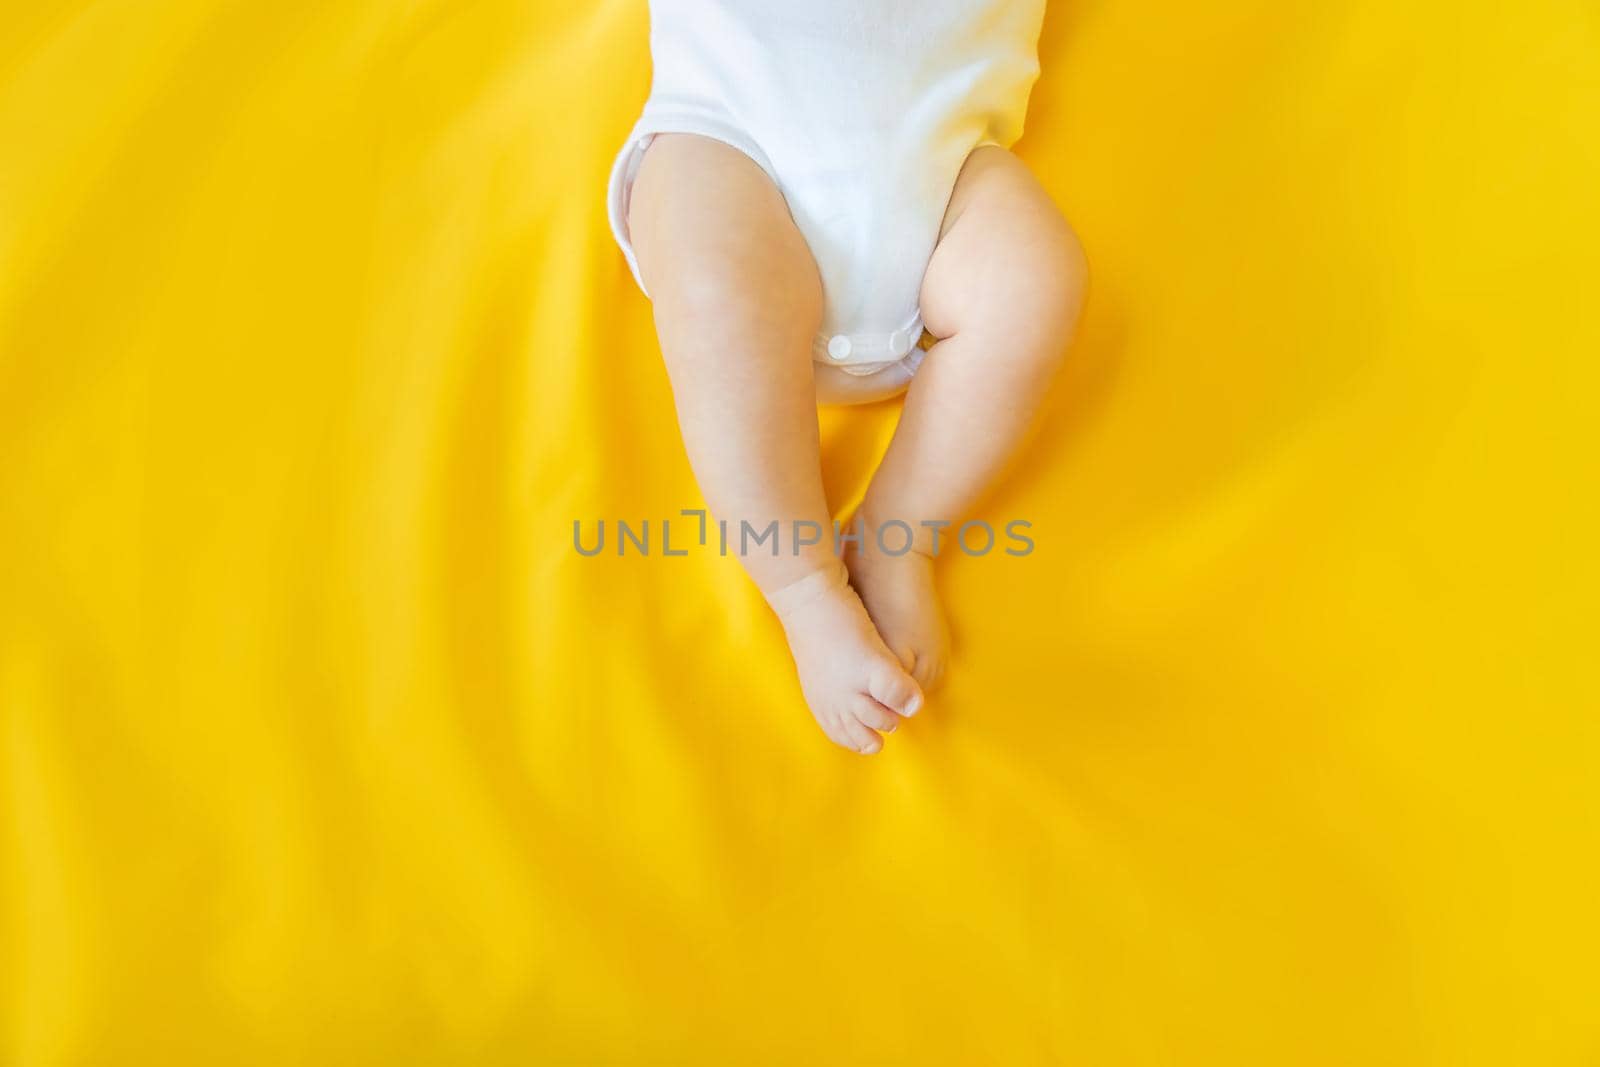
860	738
928	670
892	687
873	714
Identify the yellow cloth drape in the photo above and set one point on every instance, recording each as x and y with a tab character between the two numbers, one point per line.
320	744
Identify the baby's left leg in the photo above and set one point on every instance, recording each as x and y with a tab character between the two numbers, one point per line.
1002	292
737	303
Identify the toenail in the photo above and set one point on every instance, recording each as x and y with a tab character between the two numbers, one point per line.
913	704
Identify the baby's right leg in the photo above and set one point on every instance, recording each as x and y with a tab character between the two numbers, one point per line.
737	303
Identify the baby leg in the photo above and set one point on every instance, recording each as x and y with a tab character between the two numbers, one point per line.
1002	293
737	301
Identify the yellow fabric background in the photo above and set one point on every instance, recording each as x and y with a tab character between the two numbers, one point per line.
319	744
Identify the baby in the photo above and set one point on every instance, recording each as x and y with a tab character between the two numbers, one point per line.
820	202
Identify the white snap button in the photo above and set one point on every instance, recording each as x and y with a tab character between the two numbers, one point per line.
900	342
839	346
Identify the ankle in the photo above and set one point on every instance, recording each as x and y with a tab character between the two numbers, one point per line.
904	537
826	580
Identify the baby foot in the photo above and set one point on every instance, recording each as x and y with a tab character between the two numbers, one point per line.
899	595
851	681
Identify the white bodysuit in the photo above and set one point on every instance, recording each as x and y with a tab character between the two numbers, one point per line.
862	112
